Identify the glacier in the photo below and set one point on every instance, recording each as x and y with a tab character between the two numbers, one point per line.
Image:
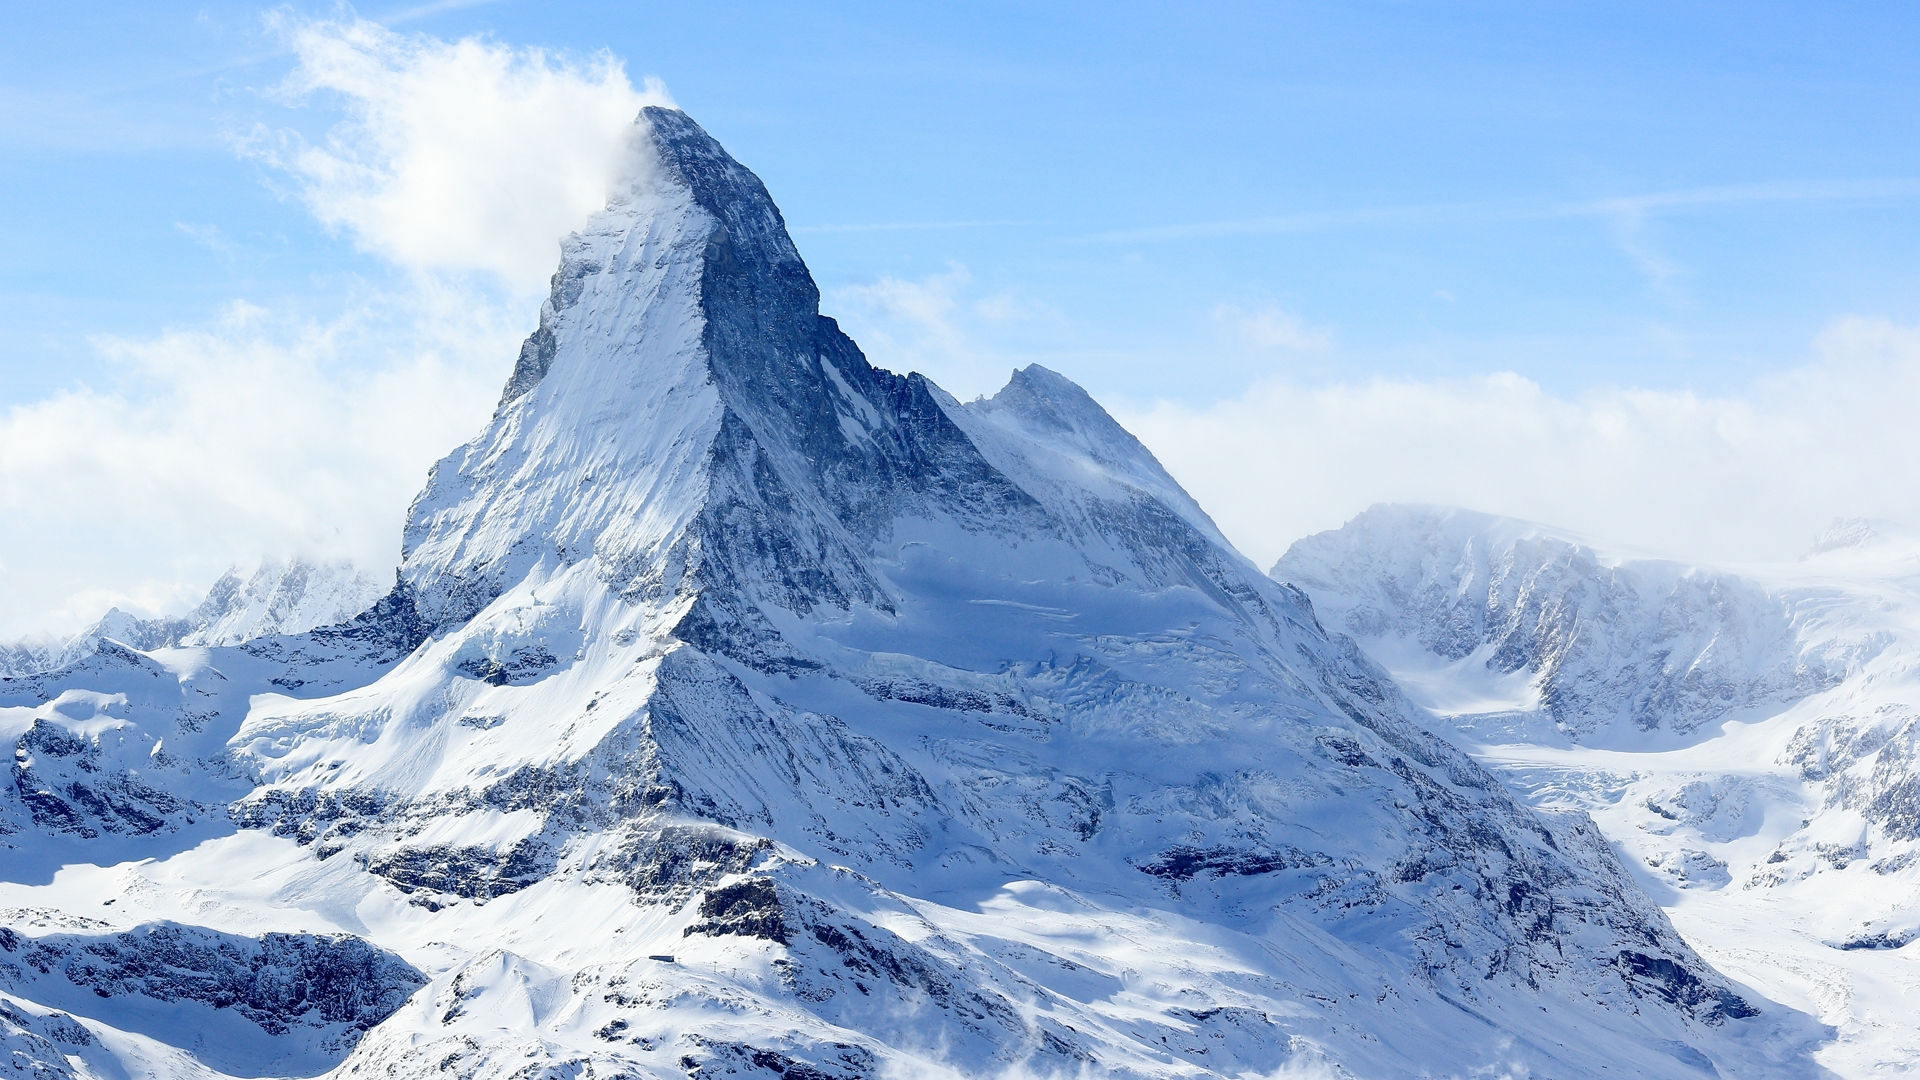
742	709
1744	735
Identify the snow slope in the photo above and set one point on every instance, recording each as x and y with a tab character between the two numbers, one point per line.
1744	736
742	709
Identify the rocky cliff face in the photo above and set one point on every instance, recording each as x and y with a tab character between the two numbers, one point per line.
743	709
245	1006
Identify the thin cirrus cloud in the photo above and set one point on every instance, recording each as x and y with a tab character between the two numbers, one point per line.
941	327
272	432
1822	191
905	226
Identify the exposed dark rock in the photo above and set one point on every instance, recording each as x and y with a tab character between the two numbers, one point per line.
472	873
523	665
922	692
673	861
1183	863
749	908
66	788
276	980
1663	978
719	1058
1892	939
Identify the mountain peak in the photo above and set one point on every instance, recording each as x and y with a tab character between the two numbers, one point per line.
681	371
1858	534
726	220
683	151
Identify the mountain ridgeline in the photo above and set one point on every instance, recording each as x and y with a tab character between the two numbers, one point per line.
742	709
1746	736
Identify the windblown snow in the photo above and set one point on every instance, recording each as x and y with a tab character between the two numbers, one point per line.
742	709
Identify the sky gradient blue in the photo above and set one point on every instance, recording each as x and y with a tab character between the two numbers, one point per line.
1661	195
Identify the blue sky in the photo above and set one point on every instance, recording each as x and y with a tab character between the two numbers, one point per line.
1444	188
1220	218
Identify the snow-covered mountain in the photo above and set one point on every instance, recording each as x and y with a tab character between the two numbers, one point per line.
278	597
742	709
289	597
1745	735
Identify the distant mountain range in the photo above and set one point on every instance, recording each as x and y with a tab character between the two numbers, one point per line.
288	597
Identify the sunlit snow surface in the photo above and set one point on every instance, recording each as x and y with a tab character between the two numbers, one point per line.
744	710
1757	768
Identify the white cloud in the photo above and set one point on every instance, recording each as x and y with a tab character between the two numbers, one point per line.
466	155
1753	475
261	434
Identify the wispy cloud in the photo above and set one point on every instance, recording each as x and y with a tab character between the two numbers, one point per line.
424	11
1273	328
898	226
1785	191
1427	213
212	238
940	326
1632	233
1812	191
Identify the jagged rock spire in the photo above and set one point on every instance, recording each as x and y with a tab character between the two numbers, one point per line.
683	385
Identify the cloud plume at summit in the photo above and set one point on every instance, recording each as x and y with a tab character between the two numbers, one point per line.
464	155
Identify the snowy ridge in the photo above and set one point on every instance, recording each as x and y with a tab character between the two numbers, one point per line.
1774	817
289	597
279	598
743	709
1602	648
82	998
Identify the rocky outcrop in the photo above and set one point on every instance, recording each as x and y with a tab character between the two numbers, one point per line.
300	1000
